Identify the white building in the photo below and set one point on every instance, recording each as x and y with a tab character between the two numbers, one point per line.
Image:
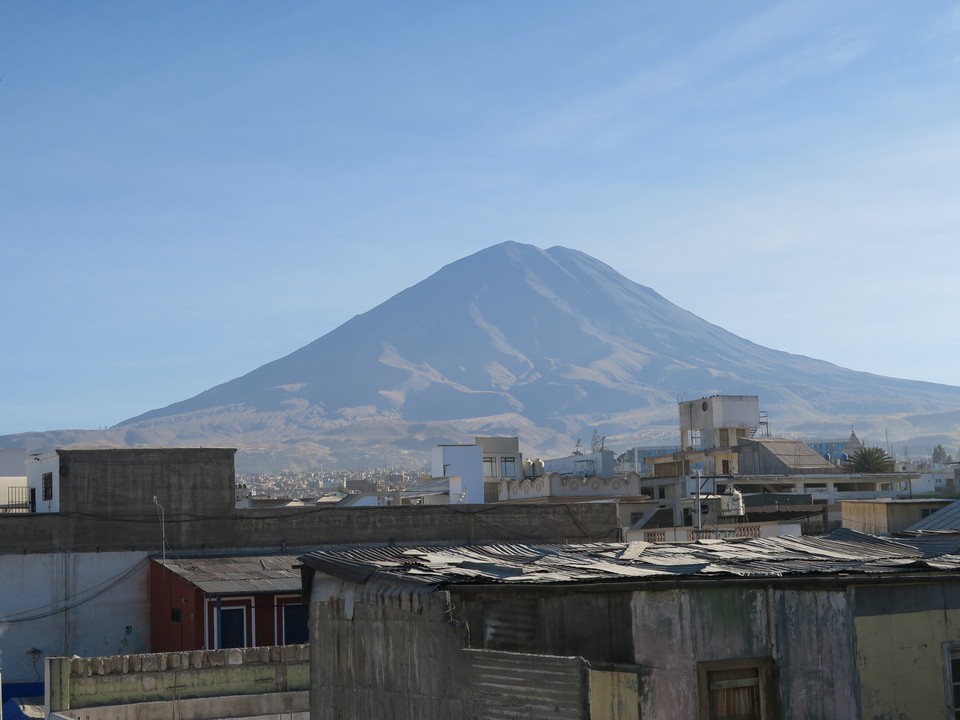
463	465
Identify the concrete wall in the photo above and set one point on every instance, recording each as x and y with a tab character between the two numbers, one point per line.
399	651
879	518
902	631
754	459
167	679
94	603
709	415
824	649
595	487
807	633
383	652
865	517
70	603
555	485
716	532
308	526
268	706
870	650
124	482
500	445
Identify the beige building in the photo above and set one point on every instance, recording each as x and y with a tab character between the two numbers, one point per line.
887	515
710	430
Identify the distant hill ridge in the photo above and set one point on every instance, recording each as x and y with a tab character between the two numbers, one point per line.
549	344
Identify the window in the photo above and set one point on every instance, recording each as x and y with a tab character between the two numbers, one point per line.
695	439
951	669
47	480
230	622
724	437
175	615
233	627
737	689
508	467
489	467
294	623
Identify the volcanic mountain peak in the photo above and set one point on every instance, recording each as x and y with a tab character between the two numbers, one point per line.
553	340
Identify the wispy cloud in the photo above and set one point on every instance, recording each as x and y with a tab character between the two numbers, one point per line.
778	46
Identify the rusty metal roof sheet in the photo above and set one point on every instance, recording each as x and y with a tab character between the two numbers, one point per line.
239	575
843	552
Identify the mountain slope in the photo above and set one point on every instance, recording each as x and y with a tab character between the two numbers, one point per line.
550	341
541	332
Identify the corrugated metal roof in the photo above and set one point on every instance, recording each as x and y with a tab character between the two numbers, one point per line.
794	453
239	575
946	518
843	552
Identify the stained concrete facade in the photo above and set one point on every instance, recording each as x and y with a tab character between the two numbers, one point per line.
813	647
279	528
133	482
402	651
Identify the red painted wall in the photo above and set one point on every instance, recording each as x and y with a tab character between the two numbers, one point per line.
168	593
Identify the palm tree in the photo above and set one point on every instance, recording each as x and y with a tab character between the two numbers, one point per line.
870	460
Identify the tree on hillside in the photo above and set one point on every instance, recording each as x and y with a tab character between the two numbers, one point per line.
940	455
870	460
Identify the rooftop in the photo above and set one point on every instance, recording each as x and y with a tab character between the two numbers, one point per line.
843	552
239	575
946	518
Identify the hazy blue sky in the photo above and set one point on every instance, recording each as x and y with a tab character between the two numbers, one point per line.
190	190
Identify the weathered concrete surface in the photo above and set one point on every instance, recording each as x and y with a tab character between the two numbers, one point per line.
280	528
858	648
269	706
807	633
50	561
385	656
81	683
195	481
904	637
400	652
